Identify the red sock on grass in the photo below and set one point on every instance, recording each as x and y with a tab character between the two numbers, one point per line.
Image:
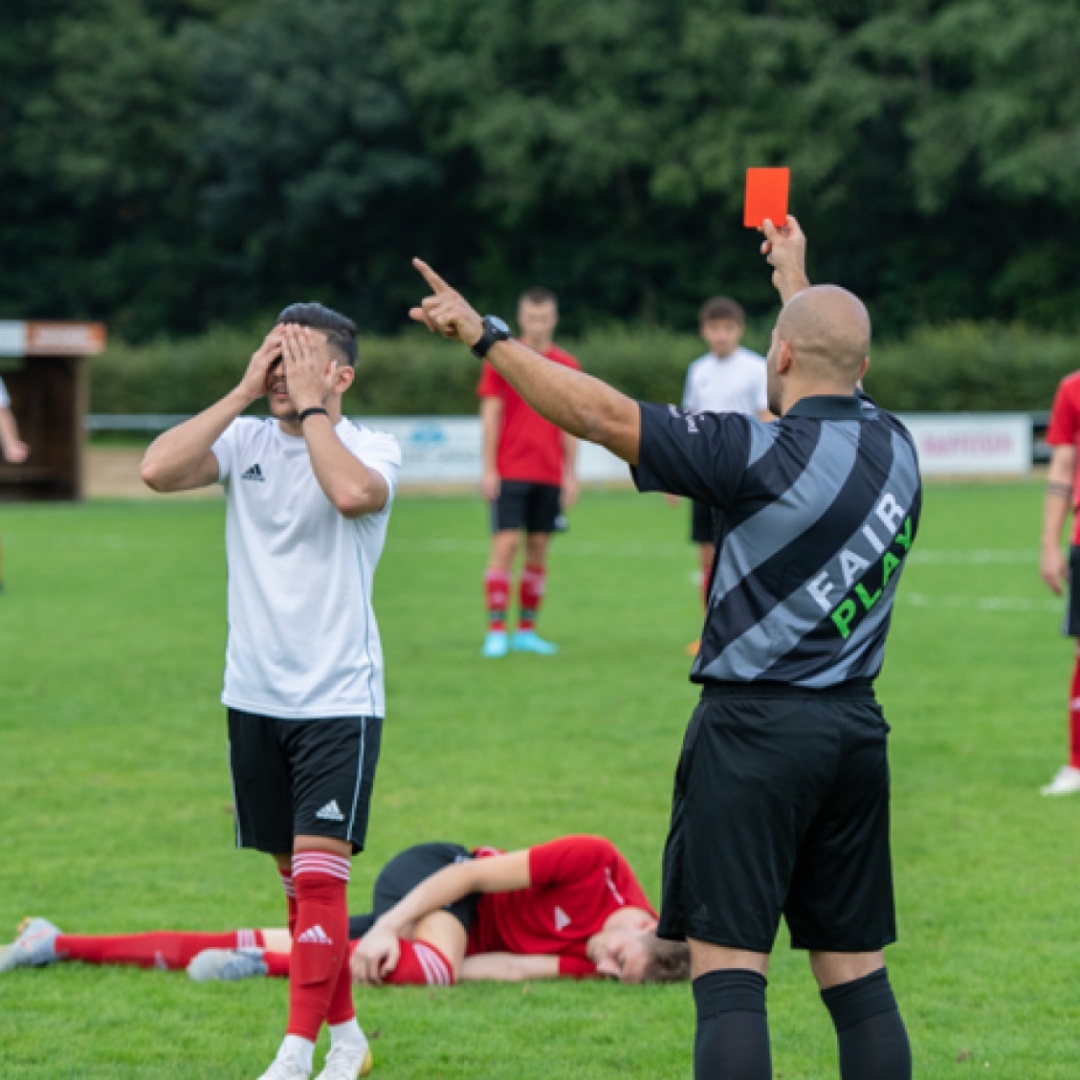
169	950
496	598
530	595
1074	716
321	942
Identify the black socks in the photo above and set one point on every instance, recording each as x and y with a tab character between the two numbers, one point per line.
732	1040
870	1034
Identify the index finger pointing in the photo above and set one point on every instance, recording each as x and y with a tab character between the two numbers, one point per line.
437	284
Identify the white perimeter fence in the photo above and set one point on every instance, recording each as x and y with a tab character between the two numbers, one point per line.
446	450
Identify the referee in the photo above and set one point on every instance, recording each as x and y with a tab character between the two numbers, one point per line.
781	803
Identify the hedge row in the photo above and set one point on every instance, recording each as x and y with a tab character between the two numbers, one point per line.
963	367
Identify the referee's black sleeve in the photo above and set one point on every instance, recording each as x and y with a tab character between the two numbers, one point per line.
702	455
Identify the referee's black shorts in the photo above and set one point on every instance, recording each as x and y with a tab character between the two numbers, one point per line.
781	807
403	873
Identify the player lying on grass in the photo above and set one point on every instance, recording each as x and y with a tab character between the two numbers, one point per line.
440	913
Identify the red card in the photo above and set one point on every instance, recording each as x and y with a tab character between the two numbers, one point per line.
766	196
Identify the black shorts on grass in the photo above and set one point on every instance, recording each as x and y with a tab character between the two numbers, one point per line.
702	523
1072	613
302	778
532	507
403	873
781	806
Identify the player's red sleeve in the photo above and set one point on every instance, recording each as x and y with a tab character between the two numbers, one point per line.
628	886
491	384
571	967
568	859
1064	416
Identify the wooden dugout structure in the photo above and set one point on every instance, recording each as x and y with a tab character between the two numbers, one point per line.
43	367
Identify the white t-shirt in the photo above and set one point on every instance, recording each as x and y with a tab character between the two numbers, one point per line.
303	642
735	383
5	401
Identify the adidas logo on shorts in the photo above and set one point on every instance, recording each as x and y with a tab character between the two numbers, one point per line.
254	473
330	812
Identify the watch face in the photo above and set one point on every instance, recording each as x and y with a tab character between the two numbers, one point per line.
498	325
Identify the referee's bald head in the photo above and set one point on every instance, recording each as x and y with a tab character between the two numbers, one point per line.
829	330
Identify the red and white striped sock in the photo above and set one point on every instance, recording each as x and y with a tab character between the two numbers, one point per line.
1074	716
496	598
530	595
321	942
170	950
421	964
290	895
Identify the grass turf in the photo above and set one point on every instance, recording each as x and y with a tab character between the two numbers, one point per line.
115	802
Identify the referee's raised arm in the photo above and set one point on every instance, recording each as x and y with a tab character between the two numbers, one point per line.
578	403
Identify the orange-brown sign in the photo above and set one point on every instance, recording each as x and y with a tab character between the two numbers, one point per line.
64	339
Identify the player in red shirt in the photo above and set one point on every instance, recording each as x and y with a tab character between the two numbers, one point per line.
569	908
1063	437
529	482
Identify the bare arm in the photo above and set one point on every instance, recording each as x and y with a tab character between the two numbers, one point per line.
785	250
491	418
569	494
12	448
508	967
377	953
181	458
576	402
1053	564
313	378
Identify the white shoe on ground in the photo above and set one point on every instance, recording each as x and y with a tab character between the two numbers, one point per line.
227	965
35	945
347	1062
285	1068
1066	782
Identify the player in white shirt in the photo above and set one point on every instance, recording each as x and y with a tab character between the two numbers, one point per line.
728	378
12	448
308	499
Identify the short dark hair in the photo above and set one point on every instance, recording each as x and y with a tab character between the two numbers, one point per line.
669	961
722	307
538	295
340	331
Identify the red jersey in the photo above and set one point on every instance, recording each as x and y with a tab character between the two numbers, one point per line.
1064	429
530	448
577	882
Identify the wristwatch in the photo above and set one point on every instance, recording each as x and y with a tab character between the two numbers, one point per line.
494	330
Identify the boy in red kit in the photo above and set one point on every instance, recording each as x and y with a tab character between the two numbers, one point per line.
529	482
441	913
1063	437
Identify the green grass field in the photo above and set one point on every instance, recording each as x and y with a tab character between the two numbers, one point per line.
115	801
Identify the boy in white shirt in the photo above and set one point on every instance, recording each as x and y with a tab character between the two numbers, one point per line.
308	499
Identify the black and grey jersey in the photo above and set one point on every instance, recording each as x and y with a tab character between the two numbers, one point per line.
817	512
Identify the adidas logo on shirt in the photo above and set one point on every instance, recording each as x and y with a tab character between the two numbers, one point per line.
254	473
562	920
331	812
315	935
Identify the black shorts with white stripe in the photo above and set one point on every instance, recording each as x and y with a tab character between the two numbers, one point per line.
302	778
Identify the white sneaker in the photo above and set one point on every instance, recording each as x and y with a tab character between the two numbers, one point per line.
34	947
1066	782
286	1068
227	965
347	1062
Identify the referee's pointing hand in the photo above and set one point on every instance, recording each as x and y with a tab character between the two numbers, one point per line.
446	311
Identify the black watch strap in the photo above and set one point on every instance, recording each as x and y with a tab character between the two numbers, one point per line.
494	330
